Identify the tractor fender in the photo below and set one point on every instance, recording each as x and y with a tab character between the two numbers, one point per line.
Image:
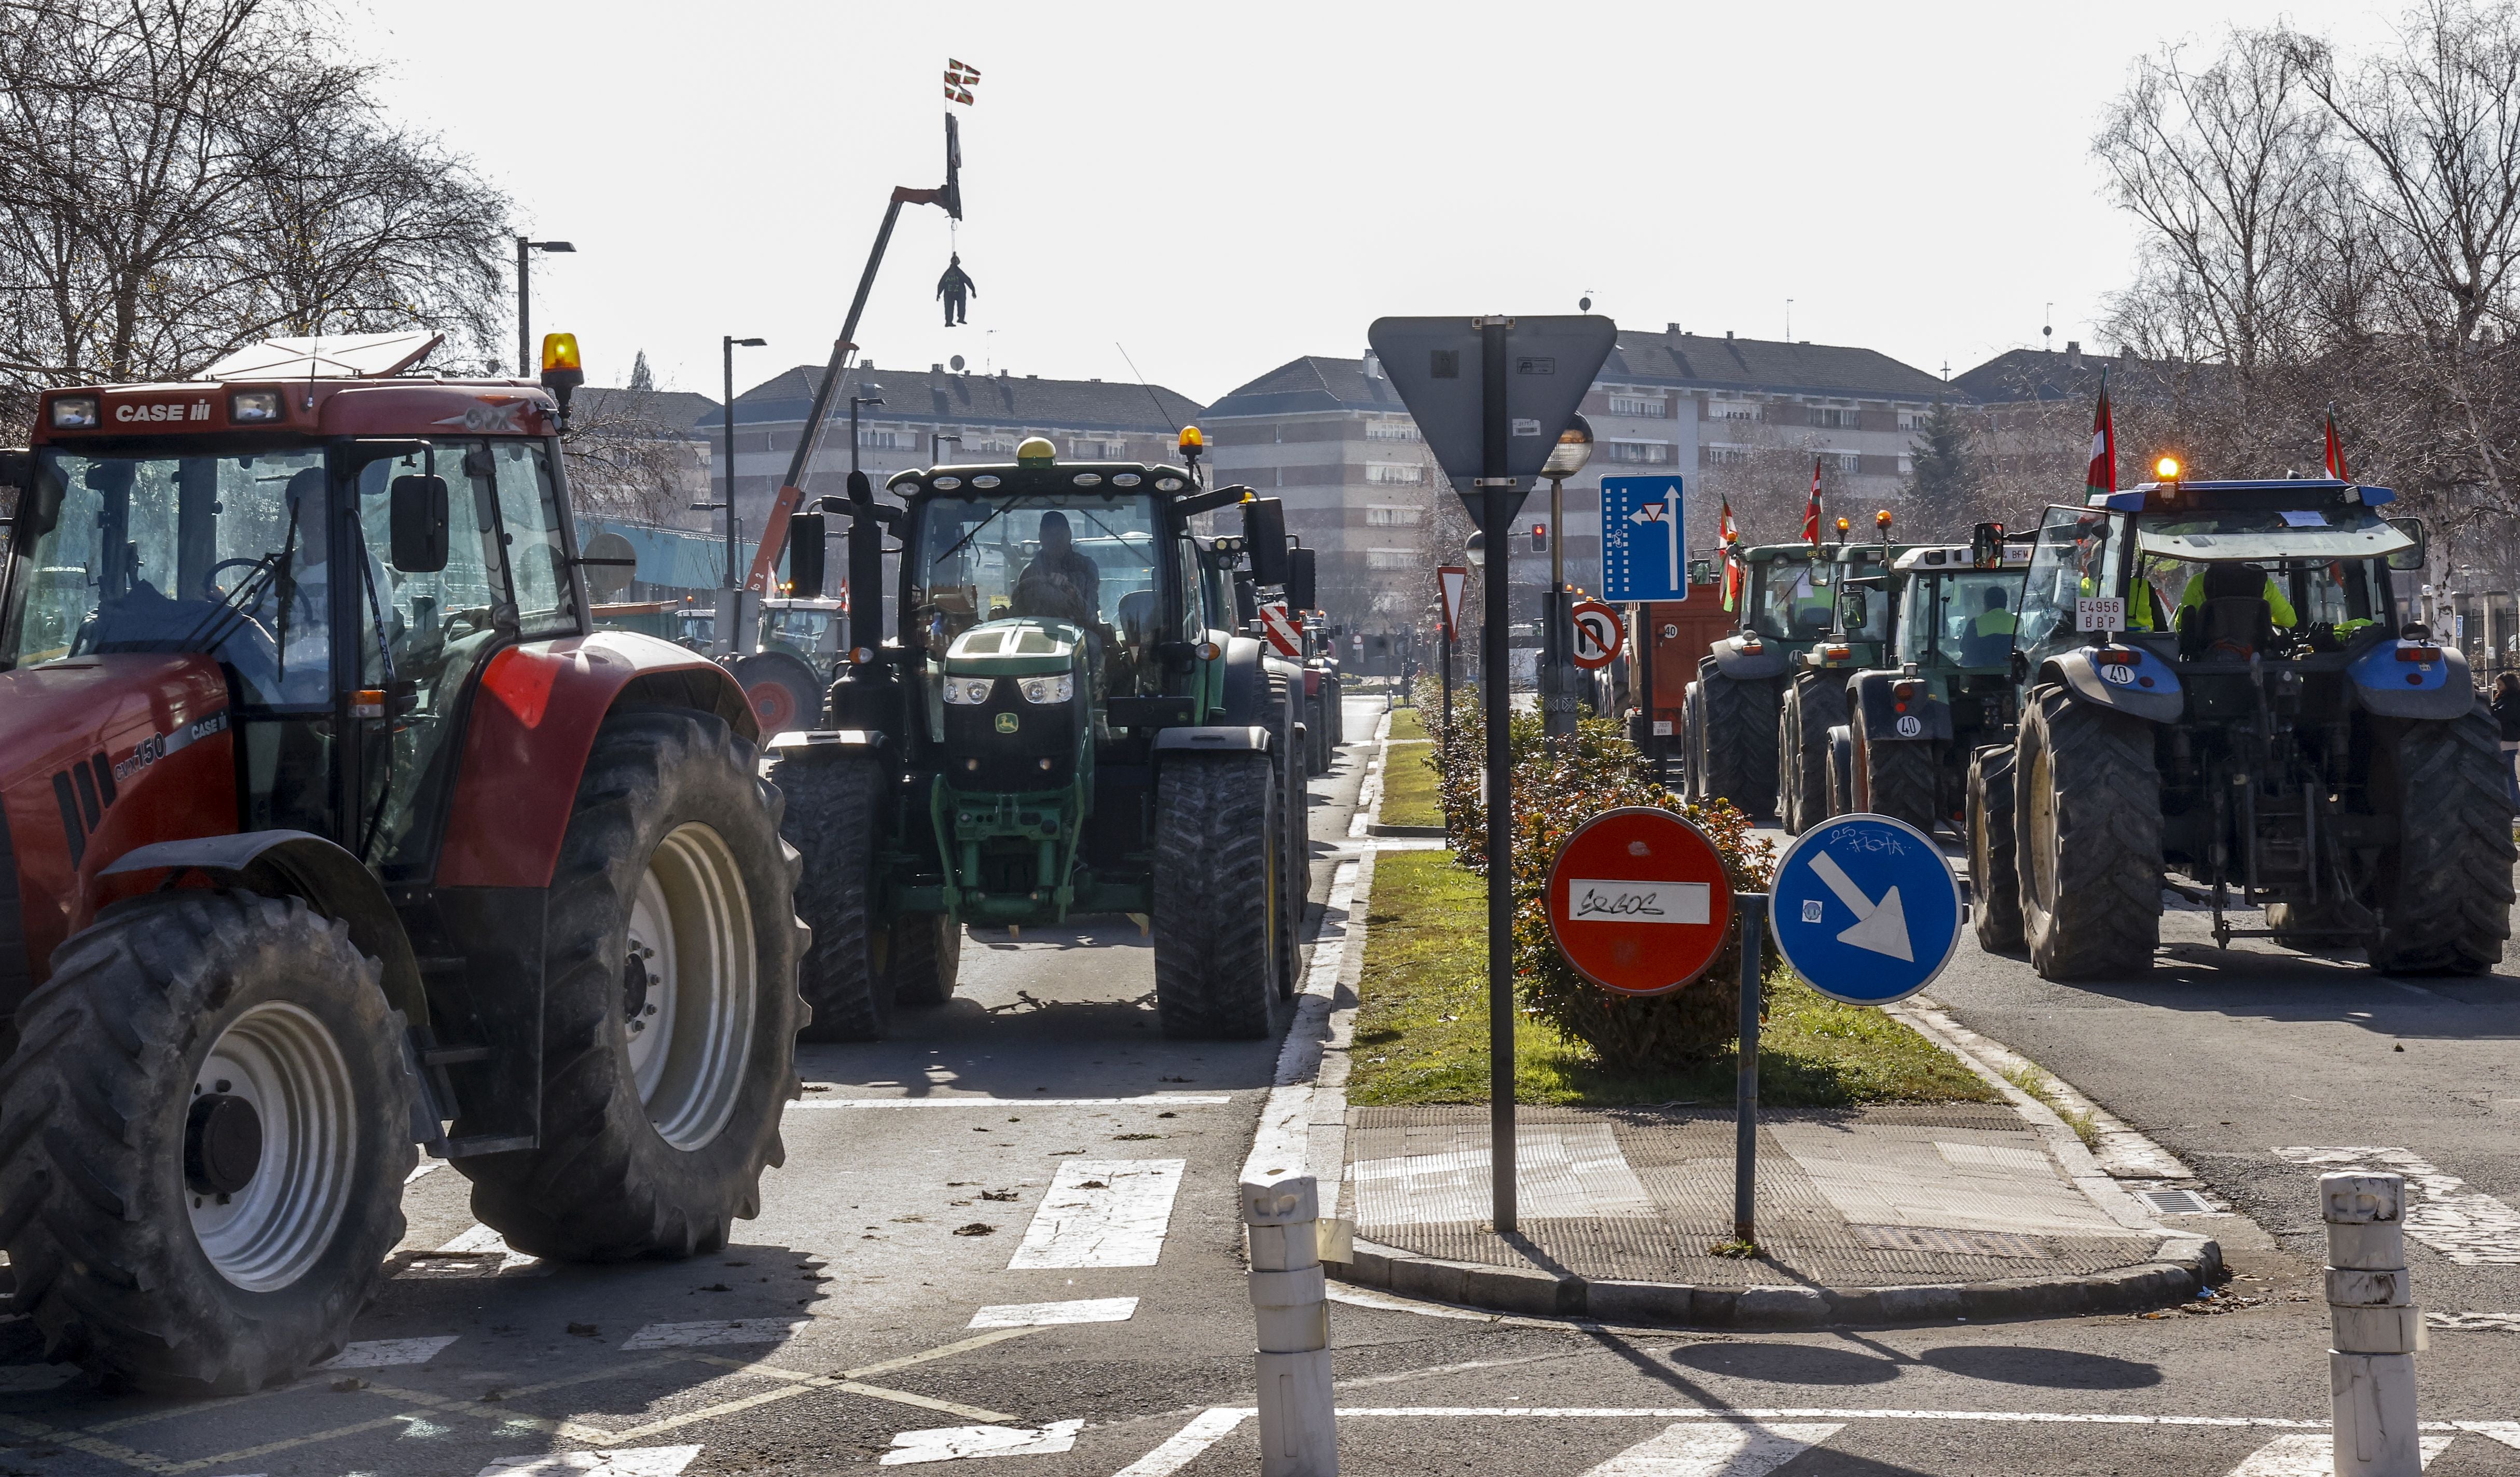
1769	660
2146	689
530	723
1887	720
1218	738
821	742
2390	688
298	863
1246	694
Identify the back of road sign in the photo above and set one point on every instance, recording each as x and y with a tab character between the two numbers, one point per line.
1866	909
1435	364
1645	540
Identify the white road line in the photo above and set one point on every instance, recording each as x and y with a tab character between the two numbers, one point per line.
1703	1448
630	1462
388	1352
1183	1447
477	1247
2445	1213
1101	1212
736	1330
425	1166
955	1442
1096	1310
2474	1322
2496	1430
2312	1456
1153	1099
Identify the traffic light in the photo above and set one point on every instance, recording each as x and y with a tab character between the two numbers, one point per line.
1540	538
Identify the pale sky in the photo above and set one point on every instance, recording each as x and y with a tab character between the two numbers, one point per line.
1223	188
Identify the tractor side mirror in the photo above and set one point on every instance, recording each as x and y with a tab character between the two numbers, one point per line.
806	534
1264	535
1986	546
1301	580
1851	609
2413	557
418	514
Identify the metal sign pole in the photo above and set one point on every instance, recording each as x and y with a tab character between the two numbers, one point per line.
1745	1140
1645	660
1495	514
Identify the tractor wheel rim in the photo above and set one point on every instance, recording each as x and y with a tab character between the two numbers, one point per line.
284	1064
689	1022
2041	800
774	708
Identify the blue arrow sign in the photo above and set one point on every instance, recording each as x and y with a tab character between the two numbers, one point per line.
1644	547
1867	910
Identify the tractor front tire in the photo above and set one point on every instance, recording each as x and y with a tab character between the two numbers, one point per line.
924	953
1811	708
832	818
1895	778
1994	879
1217	905
2445	890
1736	757
669	1004
203	1137
2088	823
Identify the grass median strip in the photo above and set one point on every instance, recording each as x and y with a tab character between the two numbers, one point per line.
1421	1023
1408	788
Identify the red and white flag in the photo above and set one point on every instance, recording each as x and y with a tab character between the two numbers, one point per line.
2102	477
1811	510
1726	530
2335	450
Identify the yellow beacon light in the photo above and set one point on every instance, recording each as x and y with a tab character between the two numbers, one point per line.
2167	469
560	352
1842	525
1036	451
1881	519
1192	442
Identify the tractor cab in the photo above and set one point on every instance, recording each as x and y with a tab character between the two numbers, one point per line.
1728	715
808	630
1861	606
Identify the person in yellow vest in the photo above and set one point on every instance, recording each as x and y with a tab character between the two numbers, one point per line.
1995	619
2140	600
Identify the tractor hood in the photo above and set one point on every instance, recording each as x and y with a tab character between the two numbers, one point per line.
1027	646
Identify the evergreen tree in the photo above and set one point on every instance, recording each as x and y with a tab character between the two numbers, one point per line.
1944	471
640	376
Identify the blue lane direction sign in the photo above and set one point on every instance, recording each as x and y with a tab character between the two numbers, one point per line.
1867	910
1645	543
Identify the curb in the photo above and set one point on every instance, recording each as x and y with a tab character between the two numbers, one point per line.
1506	1289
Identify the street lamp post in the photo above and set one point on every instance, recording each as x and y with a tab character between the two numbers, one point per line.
1557	688
524	299
863	395
727	346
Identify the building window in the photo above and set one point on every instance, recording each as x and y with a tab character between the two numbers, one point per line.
995	440
881	440
1907	465
1643	453
1913	419
1392	430
1829	418
1391	558
1098	451
1384	515
1404	474
1733	410
1637	405
1844	461
1726	456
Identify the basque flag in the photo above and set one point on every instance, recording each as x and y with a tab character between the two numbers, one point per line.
2102	477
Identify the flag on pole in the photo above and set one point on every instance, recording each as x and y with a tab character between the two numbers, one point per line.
1811	510
1732	578
959	77
2102	477
2335	450
1726	530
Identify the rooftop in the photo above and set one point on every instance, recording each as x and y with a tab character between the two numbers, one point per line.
942	396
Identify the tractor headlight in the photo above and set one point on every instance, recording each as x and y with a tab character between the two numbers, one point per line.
969	691
1056	689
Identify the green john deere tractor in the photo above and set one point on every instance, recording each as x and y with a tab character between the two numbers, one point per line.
1070	717
1728	716
1813	700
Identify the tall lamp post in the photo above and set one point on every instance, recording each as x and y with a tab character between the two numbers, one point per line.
1474	552
726	641
863	395
524	299
1557	688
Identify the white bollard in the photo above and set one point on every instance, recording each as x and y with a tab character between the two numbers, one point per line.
2376	1330
1298	1415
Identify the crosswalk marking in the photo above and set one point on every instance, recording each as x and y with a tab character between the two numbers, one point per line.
2312	1456
633	1461
715	1331
388	1352
477	1253
1708	1449
2445	1213
1185	1446
1101	1212
955	1442
1096	1309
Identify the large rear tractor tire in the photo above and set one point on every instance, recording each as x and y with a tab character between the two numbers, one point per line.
1811	706
669	1004
2445	890
203	1137
1895	778
1217	902
832	818
1993	875
2088	823
785	693
923	955
1736	758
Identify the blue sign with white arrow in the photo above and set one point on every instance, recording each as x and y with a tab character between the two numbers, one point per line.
1866	909
1645	544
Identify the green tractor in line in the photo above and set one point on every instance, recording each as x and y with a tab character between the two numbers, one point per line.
1903	751
1072	716
1815	697
1728	716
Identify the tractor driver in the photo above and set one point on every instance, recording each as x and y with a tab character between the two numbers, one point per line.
1996	619
2215	581
1060	583
301	625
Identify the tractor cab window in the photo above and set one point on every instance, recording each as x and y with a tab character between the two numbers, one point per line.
1966	618
1792	600
1089	561
2078	555
537	565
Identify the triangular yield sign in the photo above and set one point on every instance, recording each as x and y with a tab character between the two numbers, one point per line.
1453	582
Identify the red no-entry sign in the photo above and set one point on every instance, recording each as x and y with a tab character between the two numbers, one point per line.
1638	901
